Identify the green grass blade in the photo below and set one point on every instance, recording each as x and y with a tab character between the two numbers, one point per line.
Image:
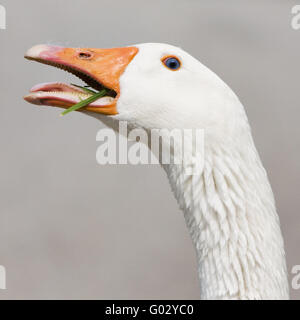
84	88
85	102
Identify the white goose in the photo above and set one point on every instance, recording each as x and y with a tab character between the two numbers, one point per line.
229	209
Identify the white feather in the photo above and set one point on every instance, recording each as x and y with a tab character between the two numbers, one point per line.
229	209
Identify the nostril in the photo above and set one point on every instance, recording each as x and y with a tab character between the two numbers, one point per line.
84	55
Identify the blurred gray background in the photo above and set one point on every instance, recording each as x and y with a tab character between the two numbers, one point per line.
70	228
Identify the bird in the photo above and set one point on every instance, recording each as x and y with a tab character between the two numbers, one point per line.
229	207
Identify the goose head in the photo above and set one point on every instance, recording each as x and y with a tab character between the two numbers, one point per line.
158	86
149	85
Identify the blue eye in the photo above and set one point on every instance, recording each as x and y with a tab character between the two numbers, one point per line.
172	63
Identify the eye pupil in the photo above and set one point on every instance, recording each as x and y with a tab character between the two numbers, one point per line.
172	63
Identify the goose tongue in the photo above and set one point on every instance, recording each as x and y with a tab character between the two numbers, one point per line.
56	87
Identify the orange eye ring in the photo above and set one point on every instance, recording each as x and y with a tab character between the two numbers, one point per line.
173	63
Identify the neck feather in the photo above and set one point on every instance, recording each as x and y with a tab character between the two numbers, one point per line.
230	213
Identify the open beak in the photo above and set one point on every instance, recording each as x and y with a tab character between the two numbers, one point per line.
99	68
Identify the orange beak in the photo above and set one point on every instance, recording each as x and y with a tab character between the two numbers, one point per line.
99	68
